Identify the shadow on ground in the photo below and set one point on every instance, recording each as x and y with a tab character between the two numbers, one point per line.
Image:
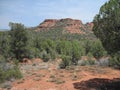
98	84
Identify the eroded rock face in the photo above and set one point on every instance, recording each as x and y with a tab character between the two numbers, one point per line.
89	25
73	26
69	25
48	23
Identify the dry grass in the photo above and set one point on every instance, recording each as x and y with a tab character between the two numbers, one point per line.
37	79
20	81
40	75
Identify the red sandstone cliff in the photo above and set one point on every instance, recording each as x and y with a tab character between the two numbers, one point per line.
68	24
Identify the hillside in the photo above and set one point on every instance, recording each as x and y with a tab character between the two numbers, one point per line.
64	29
68	25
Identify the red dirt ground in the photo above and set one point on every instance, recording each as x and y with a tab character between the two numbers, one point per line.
52	78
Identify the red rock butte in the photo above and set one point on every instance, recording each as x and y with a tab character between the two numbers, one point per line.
68	24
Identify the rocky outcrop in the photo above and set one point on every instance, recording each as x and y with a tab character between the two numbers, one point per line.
48	23
69	25
89	25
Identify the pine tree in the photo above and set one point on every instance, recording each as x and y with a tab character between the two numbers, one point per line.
19	41
107	26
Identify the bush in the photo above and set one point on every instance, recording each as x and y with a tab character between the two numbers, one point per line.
97	50
33	53
104	61
45	56
13	73
66	61
19	40
8	71
77	52
115	60
53	54
86	62
5	47
9	74
2	59
2	75
64	47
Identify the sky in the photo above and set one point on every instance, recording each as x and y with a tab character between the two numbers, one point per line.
32	12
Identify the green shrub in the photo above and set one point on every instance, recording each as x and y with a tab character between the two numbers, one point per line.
9	74
13	73
91	62
97	50
77	52
66	61
87	62
5	44
53	55
64	47
2	59
87	46
115	60
2	75
8	71
46	57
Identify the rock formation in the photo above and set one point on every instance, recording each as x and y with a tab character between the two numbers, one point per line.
69	25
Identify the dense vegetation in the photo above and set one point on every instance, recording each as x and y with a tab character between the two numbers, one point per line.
19	43
107	29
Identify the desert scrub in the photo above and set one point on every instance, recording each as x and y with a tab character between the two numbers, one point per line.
52	76
66	61
86	62
115	60
59	81
37	79
9	71
55	80
40	75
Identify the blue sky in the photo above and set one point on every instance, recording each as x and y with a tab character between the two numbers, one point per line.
33	12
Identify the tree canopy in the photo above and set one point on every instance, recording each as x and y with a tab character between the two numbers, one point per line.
107	26
19	41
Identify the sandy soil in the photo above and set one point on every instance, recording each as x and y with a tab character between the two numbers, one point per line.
48	76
